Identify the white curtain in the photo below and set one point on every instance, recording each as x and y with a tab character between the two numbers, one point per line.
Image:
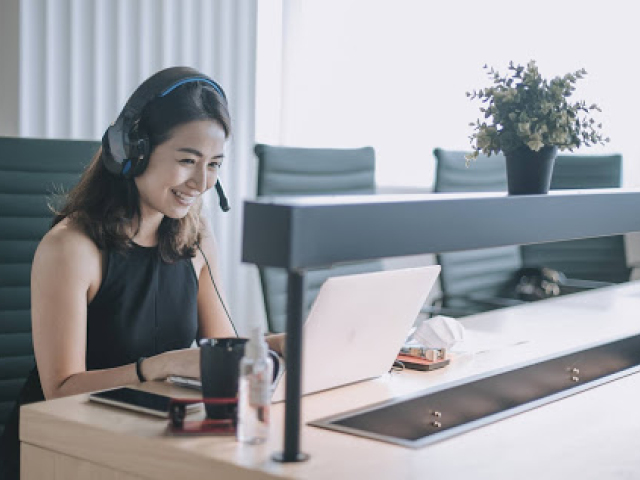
69	66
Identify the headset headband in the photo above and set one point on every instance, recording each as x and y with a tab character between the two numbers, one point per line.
116	138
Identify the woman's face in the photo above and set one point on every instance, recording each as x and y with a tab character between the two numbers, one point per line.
181	169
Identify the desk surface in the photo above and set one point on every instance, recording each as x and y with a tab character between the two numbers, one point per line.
588	435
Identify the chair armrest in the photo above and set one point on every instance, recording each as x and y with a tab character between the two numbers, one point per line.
495	301
455	312
579	284
482	304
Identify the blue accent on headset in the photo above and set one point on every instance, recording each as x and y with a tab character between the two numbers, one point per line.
194	79
127	167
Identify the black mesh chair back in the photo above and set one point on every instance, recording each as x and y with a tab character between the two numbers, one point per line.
482	273
602	259
291	171
31	170
474	280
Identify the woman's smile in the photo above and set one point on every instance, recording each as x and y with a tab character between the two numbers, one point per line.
183	198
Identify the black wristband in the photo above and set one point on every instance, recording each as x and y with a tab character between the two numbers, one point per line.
139	369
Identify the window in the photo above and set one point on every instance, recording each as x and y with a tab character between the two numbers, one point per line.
335	73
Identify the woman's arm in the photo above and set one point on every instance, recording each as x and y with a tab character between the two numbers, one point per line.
66	274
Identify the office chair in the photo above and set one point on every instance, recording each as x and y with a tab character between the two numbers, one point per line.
597	259
291	171
480	280
475	280
30	171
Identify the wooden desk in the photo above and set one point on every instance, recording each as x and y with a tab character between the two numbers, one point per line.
588	435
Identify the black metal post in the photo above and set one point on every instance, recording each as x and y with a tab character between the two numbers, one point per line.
295	314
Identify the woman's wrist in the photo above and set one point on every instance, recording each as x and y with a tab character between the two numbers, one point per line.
152	368
141	376
185	362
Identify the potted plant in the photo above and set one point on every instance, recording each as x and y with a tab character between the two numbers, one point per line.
529	119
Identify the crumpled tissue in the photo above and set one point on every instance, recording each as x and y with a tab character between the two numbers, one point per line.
438	332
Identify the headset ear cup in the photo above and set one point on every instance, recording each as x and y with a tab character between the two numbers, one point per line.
108	160
141	157
145	152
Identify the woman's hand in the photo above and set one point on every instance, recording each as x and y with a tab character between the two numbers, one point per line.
277	343
183	363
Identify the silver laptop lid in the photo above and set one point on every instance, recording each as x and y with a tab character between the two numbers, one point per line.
357	325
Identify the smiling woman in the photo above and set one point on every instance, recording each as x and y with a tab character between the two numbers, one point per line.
180	170
123	283
174	142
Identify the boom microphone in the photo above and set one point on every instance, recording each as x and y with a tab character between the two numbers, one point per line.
224	203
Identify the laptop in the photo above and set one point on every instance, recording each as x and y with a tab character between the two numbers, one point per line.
356	327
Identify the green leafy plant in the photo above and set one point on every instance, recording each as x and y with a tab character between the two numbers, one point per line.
524	109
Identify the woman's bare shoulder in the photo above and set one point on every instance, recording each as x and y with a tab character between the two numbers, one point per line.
67	239
206	246
208	235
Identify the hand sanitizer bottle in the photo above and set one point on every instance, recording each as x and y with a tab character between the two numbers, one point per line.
254	390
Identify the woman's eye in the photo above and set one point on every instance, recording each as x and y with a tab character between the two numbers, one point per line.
214	165
188	161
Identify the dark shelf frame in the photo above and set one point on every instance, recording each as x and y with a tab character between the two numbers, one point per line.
303	233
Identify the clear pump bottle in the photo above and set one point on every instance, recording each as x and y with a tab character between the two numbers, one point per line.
254	390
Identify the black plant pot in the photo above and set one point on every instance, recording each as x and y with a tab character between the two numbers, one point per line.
529	172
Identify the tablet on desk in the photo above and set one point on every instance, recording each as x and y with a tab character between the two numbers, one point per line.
138	400
186	382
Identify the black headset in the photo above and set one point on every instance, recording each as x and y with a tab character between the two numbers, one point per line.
125	149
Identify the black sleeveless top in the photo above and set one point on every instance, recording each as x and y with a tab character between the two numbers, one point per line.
143	307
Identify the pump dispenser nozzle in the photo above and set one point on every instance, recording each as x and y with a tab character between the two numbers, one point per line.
256	347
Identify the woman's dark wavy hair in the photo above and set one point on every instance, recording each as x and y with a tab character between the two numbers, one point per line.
104	205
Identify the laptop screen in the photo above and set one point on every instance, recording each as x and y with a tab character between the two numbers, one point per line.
357	325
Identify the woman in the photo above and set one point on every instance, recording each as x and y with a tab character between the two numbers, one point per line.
122	284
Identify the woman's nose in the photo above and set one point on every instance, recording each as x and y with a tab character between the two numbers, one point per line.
202	179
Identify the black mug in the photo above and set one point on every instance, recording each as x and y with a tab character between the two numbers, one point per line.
219	372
